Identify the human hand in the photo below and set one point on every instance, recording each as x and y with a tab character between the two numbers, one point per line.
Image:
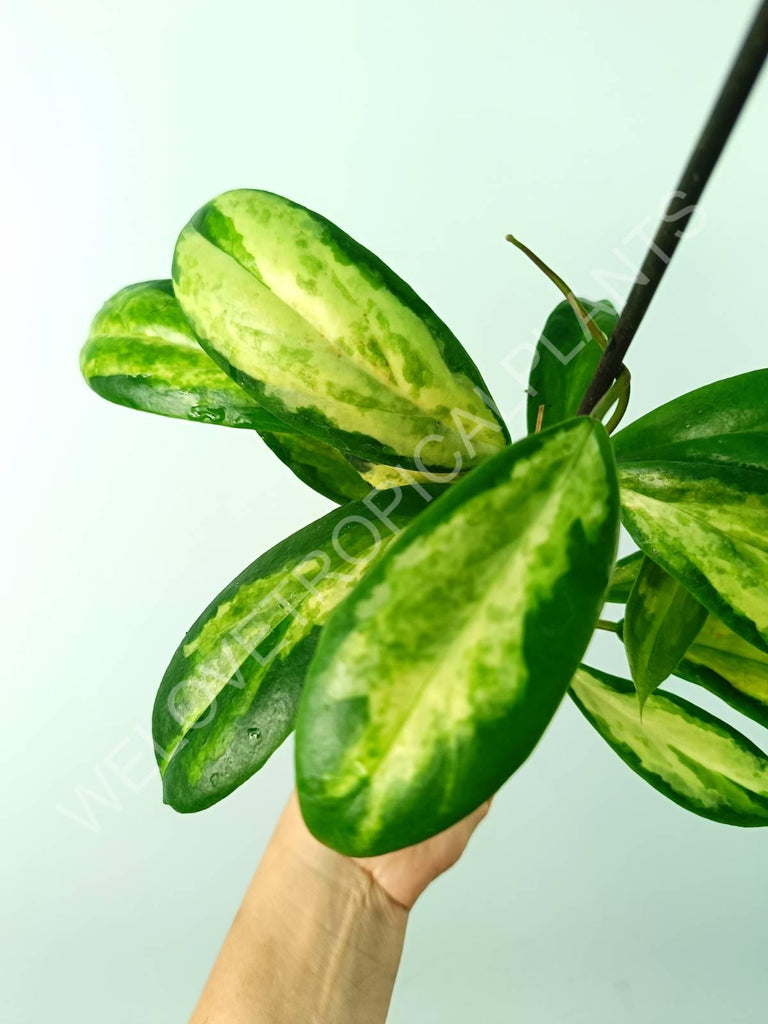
319	935
403	874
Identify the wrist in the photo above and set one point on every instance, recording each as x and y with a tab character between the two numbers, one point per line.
326	921
316	940
295	852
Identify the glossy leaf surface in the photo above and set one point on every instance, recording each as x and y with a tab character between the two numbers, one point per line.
142	353
325	336
564	362
661	621
229	695
434	681
724	422
317	465
706	523
687	754
694	477
729	667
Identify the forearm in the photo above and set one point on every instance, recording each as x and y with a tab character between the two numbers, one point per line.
316	941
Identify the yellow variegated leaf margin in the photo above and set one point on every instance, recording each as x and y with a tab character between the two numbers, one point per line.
707	524
142	353
229	695
436	678
383	477
660	622
687	754
326	336
729	667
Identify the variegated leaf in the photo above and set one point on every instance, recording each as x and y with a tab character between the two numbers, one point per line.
661	621
687	754
694	477
325	336
436	678
564	362
383	477
229	695
142	353
706	523
729	667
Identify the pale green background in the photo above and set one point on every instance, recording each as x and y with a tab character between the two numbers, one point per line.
427	130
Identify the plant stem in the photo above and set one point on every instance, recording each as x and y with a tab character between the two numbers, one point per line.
683	204
618	395
624	383
588	324
611	627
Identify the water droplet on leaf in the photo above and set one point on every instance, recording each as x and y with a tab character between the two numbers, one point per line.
207	414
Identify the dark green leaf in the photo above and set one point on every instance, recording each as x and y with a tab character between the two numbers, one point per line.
564	362
660	623
724	422
317	465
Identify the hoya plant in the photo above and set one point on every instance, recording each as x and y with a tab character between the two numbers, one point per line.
420	636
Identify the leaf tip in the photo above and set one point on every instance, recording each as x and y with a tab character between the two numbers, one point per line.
641	699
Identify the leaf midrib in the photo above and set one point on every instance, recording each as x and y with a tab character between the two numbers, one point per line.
502	577
362	366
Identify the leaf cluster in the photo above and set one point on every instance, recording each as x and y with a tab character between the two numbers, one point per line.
421	636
